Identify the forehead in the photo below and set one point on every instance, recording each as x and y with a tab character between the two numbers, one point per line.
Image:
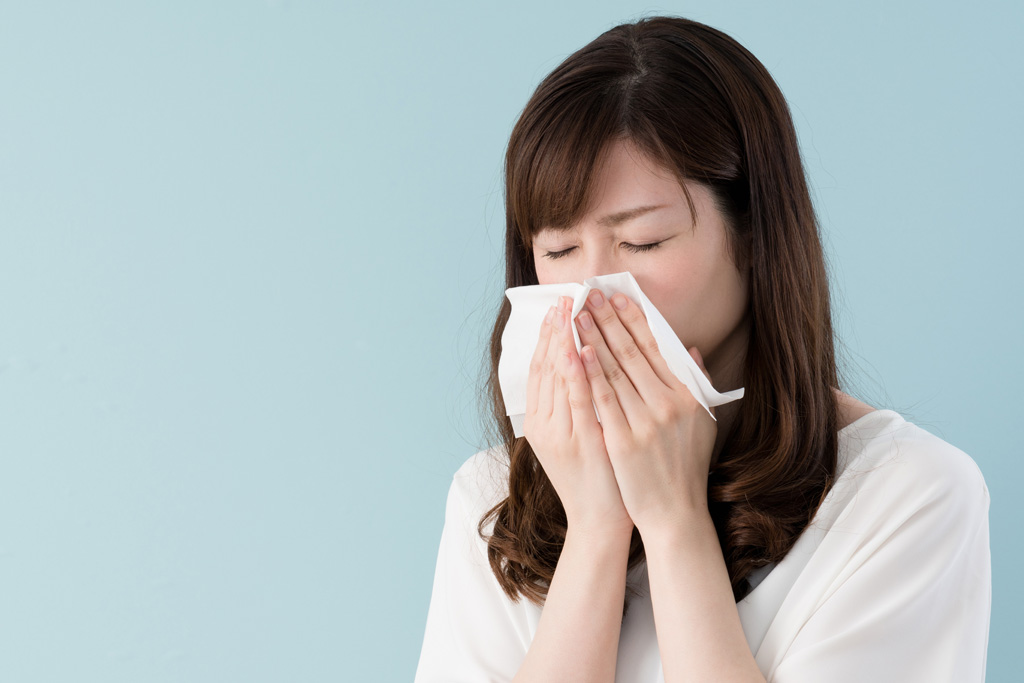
626	178
610	220
625	184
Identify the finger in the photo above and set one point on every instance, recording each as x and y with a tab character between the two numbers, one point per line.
561	418
635	322
624	347
537	362
602	393
578	398
699	360
545	393
628	397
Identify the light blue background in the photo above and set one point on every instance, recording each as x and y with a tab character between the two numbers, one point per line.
250	253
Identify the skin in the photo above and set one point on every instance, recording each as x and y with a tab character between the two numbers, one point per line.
646	462
689	276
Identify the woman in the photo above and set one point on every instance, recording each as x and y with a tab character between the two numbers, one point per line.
798	534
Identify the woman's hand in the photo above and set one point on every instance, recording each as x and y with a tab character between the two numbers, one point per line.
659	438
562	428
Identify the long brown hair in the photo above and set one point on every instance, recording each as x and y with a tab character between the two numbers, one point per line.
699	103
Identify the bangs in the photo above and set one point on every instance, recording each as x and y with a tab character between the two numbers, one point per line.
556	148
553	154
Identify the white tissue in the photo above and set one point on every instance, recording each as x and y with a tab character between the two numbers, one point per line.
531	303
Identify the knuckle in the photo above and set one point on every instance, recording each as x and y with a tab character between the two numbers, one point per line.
578	402
645	431
666	411
632	312
689	402
630	351
571	372
548	366
605	397
536	367
651	346
615	374
605	314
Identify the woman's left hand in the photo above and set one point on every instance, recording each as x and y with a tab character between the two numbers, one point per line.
659	438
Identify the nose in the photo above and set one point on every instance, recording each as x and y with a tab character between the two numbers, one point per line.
600	262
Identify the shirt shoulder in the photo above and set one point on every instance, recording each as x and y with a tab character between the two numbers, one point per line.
481	482
884	457
896	560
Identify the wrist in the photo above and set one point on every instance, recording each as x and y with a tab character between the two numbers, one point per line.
683	522
610	536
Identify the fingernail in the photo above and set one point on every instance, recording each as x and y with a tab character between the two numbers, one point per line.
551	313
588	354
559	319
620	301
596	298
584	320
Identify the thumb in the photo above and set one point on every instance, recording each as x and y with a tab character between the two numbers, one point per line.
699	360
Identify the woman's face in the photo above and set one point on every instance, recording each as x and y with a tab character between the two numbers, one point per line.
689	276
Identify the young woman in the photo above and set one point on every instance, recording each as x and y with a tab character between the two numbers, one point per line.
800	534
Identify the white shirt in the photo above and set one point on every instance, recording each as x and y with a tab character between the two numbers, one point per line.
890	582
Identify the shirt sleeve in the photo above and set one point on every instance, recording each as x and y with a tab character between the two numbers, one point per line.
913	599
474	633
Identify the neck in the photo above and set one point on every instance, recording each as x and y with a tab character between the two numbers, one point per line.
726	416
726	367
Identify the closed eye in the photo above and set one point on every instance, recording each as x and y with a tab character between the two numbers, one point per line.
635	248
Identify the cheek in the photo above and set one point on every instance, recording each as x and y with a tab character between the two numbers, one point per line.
557	272
676	295
673	277
698	301
542	270
548	275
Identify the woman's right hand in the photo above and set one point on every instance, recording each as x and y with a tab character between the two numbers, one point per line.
562	428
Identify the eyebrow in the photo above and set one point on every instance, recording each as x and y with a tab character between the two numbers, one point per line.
614	219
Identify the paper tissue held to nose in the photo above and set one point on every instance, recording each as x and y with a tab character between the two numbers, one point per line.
531	303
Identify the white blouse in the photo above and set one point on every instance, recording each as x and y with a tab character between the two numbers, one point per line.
890	582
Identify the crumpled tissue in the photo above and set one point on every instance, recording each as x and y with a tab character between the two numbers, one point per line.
531	303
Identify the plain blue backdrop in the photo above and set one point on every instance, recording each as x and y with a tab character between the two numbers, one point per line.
250	253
